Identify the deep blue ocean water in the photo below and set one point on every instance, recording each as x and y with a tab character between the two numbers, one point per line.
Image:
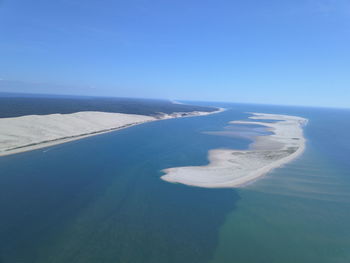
100	199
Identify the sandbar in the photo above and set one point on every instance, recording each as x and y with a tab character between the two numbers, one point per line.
229	168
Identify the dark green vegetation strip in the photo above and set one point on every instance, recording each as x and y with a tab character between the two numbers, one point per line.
20	105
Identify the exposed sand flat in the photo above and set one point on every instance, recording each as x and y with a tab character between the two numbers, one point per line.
234	168
31	132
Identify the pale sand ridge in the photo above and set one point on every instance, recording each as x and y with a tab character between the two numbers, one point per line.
234	168
31	132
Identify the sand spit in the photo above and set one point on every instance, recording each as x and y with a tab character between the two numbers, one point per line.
32	132
234	168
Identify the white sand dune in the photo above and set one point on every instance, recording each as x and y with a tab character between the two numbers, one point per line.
31	132
234	168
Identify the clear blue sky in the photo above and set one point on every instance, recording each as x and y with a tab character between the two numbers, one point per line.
280	52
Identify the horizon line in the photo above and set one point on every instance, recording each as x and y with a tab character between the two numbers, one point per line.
172	99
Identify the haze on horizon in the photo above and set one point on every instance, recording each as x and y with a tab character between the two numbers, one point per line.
274	52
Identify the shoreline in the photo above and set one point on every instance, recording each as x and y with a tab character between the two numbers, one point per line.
229	168
45	144
65	139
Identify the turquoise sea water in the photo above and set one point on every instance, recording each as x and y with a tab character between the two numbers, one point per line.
100	199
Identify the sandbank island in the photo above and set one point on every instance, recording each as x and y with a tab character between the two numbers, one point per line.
31	132
234	168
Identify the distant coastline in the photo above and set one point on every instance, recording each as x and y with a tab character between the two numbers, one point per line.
27	133
235	168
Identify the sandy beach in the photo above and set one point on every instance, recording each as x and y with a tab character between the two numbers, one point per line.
235	168
32	132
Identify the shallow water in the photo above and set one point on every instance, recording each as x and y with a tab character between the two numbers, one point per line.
100	199
301	212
